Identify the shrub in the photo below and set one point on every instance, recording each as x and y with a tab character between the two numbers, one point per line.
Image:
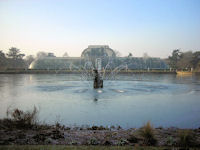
112	127
94	127
132	139
102	128
93	141
119	128
186	138
97	128
73	143
23	119
170	141
122	142
147	132
107	143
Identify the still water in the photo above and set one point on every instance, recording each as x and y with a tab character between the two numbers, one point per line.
128	101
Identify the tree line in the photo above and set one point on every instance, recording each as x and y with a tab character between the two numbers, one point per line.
184	60
178	60
14	59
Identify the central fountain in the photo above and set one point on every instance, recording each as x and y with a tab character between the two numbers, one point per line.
99	64
98	81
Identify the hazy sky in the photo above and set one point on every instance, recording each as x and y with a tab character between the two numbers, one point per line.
137	26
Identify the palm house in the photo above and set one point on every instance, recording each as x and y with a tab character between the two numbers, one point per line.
90	54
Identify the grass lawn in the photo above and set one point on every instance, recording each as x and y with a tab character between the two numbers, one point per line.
62	147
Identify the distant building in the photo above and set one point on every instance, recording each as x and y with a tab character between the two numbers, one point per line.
98	51
90	54
56	63
51	55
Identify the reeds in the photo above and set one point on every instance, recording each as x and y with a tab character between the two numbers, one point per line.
21	119
147	133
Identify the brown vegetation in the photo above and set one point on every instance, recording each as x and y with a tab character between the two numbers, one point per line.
22	128
147	133
19	119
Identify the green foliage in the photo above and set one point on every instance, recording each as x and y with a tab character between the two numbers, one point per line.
15	54
184	60
13	60
147	132
176	55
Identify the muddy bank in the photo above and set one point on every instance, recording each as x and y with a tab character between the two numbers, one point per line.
22	128
57	134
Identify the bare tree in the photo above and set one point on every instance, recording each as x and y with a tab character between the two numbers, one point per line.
65	54
173	60
41	54
117	53
145	56
130	55
185	61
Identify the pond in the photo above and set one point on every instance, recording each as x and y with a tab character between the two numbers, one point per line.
129	101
